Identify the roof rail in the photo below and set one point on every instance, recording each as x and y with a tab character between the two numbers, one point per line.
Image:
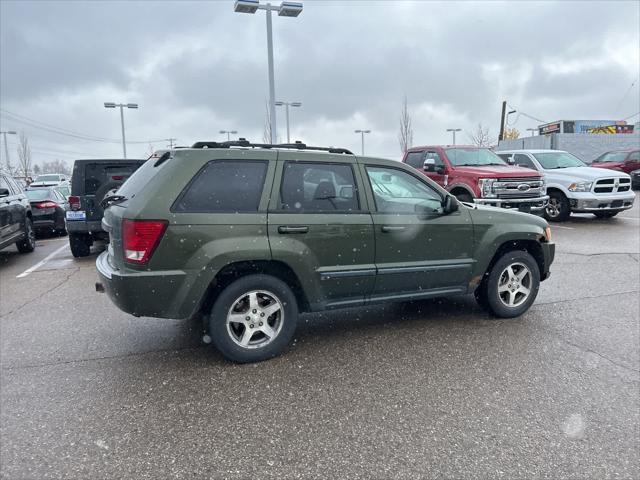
243	142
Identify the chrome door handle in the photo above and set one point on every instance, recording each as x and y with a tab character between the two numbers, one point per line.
301	229
393	228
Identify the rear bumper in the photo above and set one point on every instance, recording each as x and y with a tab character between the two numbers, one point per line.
588	202
145	294
83	226
534	204
548	254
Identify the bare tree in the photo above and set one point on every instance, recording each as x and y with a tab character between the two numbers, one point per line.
36	169
24	155
405	137
55	166
266	134
481	136
511	133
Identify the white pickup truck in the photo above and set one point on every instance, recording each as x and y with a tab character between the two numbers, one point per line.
573	186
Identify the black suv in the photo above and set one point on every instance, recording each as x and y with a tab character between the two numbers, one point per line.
90	183
16	222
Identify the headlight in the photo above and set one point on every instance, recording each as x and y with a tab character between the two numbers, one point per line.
580	187
486	187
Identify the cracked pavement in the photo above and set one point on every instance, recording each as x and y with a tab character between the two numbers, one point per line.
432	389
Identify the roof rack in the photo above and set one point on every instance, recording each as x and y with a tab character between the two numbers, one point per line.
243	142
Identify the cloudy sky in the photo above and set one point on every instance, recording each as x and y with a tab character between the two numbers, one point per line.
197	67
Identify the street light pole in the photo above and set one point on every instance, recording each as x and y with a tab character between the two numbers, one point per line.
6	147
532	130
454	130
287	105
362	132
285	9
228	132
121	106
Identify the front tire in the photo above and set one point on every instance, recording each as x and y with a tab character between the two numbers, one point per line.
558	208
253	319
80	244
511	286
28	244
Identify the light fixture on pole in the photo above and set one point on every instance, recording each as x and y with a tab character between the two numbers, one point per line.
532	130
285	9
121	106
287	105
454	130
6	148
362	132
228	132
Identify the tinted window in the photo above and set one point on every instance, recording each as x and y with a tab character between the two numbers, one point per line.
224	186
436	158
98	174
318	187
415	160
524	161
396	191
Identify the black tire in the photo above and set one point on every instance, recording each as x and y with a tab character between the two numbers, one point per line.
463	197
496	301
558	209
606	214
61	228
80	244
28	243
223	337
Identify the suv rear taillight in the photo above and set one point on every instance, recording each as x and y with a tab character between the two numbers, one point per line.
74	202
140	238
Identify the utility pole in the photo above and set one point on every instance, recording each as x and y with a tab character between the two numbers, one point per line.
171	142
121	106
504	111
6	147
362	132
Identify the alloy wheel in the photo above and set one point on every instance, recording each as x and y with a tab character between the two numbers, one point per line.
553	207
255	319
514	285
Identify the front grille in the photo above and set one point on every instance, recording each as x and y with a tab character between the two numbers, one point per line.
519	188
612	185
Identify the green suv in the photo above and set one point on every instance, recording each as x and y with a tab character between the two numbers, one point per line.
250	235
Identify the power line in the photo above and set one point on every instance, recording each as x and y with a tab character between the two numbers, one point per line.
624	97
520	112
631	116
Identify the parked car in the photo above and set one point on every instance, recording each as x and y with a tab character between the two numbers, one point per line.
622	160
16	223
635	179
50	179
91	181
249	237
48	206
573	186
478	175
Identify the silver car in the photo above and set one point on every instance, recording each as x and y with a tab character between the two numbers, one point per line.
573	186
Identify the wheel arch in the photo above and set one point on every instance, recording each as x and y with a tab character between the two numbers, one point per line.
532	247
461	188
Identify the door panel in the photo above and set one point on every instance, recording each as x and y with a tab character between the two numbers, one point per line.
317	225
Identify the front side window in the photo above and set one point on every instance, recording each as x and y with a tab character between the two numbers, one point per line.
4	183
318	187
229	186
613	157
415	159
396	191
553	160
635	156
524	161
476	157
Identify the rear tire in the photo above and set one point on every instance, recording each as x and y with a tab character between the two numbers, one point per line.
558	209
28	244
259	311
605	214
80	244
511	286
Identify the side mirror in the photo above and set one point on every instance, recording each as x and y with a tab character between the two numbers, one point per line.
4	192
511	160
429	165
450	204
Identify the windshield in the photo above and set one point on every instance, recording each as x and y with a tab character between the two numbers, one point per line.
553	160
613	157
473	157
39	194
48	178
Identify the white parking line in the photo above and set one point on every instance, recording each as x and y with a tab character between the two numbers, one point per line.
42	262
561	226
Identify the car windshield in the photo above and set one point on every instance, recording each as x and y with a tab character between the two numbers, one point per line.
473	157
39	194
613	157
553	160
48	178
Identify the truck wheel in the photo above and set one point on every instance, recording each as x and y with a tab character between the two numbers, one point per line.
253	319
80	244
28	244
558	208
512	285
464	197
605	214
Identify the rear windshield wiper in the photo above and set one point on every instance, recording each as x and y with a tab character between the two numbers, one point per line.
111	200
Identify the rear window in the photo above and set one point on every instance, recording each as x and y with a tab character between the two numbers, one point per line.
88	180
39	194
48	178
224	186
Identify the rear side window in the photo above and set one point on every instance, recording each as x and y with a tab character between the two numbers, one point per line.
318	187
415	159
231	186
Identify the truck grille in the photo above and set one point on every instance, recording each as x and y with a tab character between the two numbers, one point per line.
531	187
612	185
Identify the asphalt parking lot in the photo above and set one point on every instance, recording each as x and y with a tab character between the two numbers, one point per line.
431	389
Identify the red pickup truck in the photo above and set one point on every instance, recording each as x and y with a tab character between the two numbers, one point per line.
478	175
